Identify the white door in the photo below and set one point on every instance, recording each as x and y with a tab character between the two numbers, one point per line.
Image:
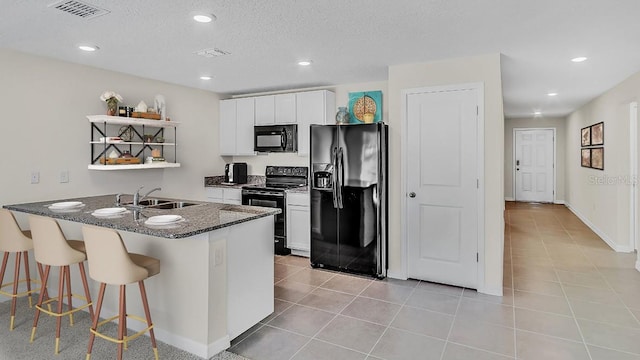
533	165
442	186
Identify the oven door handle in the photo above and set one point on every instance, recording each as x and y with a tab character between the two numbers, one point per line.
262	193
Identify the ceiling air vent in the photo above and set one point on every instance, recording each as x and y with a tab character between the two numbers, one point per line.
79	8
214	52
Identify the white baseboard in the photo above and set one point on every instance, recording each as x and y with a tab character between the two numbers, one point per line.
396	275
600	233
638	265
491	291
559	202
188	345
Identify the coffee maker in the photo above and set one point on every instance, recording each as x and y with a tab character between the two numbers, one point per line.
235	173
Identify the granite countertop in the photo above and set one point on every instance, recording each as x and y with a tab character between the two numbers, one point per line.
218	181
200	218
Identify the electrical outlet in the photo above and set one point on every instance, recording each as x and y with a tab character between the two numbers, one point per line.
219	257
35	177
64	176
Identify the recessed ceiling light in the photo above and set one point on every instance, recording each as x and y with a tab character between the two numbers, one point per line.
205	77
305	62
552	94
86	47
537	113
204	18
579	59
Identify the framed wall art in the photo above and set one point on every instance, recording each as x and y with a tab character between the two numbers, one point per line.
365	107
585	156
597	158
585	136
597	134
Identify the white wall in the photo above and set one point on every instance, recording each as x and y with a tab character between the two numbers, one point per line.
535	123
44	103
601	198
485	69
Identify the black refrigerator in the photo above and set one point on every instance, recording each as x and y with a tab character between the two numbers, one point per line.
349	198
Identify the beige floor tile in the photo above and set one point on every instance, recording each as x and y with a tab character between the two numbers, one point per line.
602	296
533	301
548	324
609	336
487	312
284	271
440	288
598	353
458	352
493	338
375	311
531	261
423	322
540	252
291	291
311	276
278	307
294	260
537	286
594	280
352	333
269	343
505	299
320	350
604	313
433	301
401	345
347	284
302	320
388	292
535	273
532	346
327	300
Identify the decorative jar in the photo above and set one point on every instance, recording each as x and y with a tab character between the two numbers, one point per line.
342	117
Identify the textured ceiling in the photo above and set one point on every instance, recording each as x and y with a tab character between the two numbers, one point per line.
348	40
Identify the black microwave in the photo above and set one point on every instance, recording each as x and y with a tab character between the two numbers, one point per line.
275	138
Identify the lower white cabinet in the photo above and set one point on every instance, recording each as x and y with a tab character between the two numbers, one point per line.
298	223
224	195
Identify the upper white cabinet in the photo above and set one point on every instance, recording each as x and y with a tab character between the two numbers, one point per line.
313	107
275	109
237	118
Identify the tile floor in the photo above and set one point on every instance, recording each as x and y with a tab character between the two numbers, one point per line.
567	296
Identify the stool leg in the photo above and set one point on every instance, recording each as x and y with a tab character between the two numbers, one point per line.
25	255
41	273
43	290
124	318
96	318
121	321
147	313
16	278
83	275
59	318
2	271
67	272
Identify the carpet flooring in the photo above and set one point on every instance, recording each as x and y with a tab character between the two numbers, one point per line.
15	345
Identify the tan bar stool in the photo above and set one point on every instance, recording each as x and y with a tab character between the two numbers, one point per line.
15	240
110	263
51	248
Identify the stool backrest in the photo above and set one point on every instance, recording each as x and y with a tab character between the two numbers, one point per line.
109	261
50	247
12	239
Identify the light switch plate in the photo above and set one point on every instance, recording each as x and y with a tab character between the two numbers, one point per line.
35	177
64	176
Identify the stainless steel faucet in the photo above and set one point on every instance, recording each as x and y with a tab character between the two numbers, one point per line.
137	197
118	199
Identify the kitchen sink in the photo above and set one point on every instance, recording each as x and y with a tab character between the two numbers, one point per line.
148	202
171	205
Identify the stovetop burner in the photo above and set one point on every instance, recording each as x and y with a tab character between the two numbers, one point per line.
280	178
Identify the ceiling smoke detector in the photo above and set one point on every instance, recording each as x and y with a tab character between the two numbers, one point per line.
210	53
79	8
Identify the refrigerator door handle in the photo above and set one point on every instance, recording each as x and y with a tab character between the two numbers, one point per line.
340	178
334	163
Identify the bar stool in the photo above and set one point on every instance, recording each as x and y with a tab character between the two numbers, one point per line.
51	248
15	240
110	263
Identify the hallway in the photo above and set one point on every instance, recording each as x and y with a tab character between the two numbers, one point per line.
567	296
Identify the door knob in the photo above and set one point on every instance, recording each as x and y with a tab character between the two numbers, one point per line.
412	194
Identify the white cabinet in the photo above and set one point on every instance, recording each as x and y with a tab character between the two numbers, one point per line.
313	107
275	109
298	224
236	126
133	133
224	195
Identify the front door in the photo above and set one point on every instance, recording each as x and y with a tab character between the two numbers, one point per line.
534	165
442	185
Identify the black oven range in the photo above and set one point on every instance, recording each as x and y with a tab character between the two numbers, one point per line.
273	194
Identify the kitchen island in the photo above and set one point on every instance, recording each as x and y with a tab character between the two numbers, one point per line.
216	277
